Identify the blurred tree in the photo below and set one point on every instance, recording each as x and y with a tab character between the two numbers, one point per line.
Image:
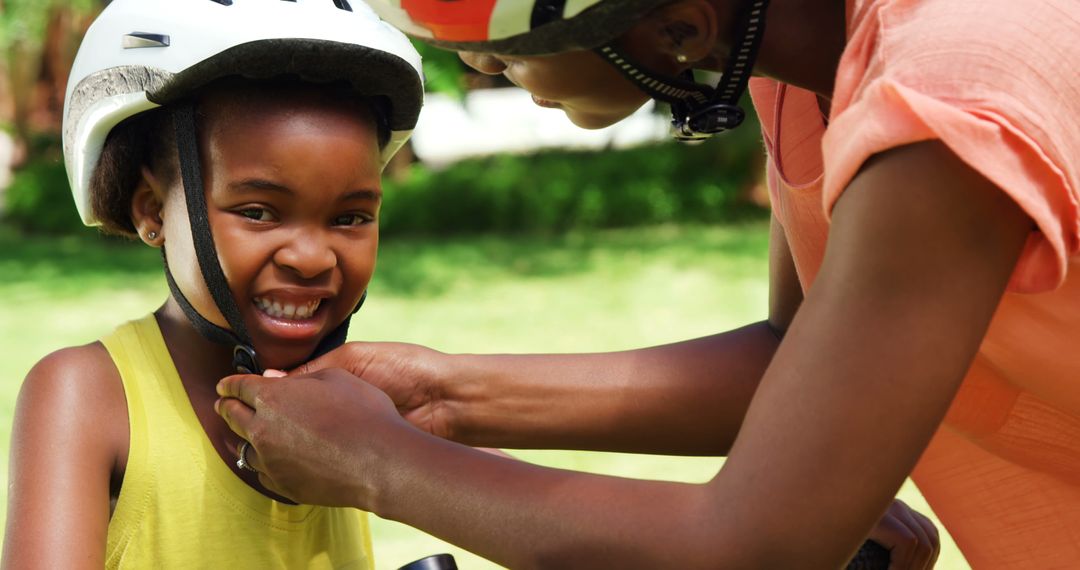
38	40
443	71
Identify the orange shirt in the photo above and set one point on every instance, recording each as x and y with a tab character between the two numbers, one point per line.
998	81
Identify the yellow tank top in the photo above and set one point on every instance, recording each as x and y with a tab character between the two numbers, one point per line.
181	507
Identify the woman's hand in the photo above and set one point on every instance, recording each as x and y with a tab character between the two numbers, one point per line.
911	539
413	376
600	401
322	438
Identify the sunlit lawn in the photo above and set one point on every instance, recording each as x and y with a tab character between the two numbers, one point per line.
602	291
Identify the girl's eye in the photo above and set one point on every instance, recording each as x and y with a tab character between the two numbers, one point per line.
257	214
353	220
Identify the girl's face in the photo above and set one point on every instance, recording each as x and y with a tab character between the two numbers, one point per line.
293	193
589	90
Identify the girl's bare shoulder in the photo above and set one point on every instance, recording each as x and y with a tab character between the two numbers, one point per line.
76	390
68	445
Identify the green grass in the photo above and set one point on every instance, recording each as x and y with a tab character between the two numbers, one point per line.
602	291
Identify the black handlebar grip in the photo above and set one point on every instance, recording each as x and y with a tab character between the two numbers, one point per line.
871	556
433	562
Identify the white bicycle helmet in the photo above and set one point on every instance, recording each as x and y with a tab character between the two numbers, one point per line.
142	54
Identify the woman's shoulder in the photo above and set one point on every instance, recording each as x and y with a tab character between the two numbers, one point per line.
76	390
988	44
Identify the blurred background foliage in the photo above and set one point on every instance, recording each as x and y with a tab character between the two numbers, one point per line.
560	190
38	41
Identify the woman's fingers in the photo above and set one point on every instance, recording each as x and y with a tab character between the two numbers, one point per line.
899	540
268	482
243	387
911	539
312	437
930	532
238	415
919	552
348	356
924	552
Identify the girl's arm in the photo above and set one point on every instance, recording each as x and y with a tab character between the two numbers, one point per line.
70	425
683	398
920	252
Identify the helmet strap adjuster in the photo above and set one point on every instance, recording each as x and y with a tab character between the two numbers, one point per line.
700	111
244	360
707	121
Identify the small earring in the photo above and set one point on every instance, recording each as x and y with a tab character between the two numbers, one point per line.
151	235
681	58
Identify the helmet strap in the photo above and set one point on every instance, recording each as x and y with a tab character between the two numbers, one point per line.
700	111
245	360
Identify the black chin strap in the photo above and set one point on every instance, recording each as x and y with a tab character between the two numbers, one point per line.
698	110
245	360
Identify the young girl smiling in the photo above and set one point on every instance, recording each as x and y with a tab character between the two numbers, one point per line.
261	129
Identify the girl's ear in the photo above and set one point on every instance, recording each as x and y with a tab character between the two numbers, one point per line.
147	206
684	32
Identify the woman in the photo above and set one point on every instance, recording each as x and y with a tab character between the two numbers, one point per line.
924	282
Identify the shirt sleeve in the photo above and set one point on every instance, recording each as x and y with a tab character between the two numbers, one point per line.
1006	105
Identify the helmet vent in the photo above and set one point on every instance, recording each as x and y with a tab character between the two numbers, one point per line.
136	40
341	4
547	11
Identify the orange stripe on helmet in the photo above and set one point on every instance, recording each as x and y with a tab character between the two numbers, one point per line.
452	20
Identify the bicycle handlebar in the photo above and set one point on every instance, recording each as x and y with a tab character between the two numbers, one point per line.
871	556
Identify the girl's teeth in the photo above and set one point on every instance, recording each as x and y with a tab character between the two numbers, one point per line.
287	311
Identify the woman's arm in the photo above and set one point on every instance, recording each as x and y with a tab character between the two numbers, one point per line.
683	398
785	291
686	398
70	421
920	252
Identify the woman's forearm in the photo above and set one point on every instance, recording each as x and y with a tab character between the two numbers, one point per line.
687	398
524	516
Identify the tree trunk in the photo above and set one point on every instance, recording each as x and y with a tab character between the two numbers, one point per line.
35	77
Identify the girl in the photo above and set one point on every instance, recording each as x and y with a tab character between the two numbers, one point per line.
923	166
247	141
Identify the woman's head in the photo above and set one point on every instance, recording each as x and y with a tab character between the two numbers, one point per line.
600	60
667	41
291	174
590	92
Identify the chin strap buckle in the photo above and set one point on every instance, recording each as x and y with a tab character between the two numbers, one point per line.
705	122
244	360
